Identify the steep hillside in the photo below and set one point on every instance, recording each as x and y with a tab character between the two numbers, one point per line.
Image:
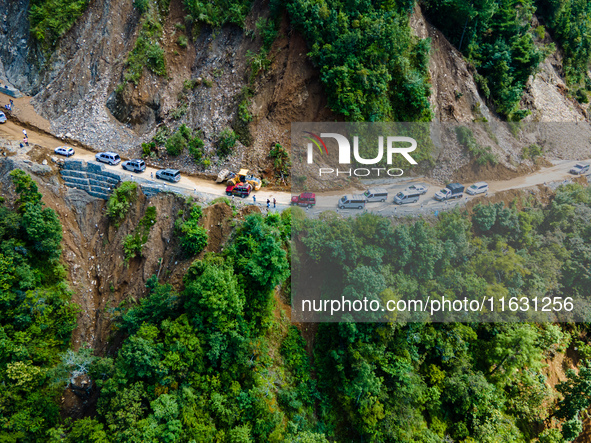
218	79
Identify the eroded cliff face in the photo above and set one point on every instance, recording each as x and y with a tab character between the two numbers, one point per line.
78	86
78	89
20	59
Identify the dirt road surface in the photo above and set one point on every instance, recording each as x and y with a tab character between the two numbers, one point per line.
13	130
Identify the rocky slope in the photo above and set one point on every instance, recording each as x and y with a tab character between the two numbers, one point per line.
76	88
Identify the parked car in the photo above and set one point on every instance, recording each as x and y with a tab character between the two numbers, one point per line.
64	150
171	175
406	196
240	189
111	158
477	188
453	190
420	189
352	202
2	117
136	165
306	199
579	169
376	195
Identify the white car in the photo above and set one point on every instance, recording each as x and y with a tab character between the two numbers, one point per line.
417	189
477	188
2	117
111	158
64	150
579	169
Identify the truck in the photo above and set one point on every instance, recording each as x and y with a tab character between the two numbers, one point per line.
305	199
453	190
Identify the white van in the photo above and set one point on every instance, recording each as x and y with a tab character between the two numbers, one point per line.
352	202
375	195
111	158
404	197
477	188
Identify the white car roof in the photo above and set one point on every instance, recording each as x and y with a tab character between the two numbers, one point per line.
479	184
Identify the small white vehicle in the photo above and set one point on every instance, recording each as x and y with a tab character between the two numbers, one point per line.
171	175
135	165
111	158
418	189
376	195
405	197
64	150
477	188
2	117
352	202
579	169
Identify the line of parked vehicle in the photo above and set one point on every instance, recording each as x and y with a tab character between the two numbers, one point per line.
411	194
134	165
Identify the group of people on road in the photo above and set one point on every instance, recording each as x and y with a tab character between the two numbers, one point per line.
9	106
254	200
25	139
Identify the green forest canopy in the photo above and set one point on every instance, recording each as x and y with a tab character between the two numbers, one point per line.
217	361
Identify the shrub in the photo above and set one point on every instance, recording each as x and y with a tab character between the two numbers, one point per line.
141	5
132	246
482	154
531	151
226	141
196	148
179	112
182	41
119	201
281	160
51	19
581	96
176	144
193	237
243	112
148	148
134	243
162	134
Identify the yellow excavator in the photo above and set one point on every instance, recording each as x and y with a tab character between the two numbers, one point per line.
244	177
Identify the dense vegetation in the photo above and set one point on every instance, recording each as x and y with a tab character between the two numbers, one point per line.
569	22
217	360
498	39
472	382
371	65
36	316
50	19
219	12
197	365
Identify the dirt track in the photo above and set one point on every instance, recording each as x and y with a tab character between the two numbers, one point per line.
12	130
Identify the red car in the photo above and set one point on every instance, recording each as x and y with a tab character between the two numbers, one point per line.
306	199
240	189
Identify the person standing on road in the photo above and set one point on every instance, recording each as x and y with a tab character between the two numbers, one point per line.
268	203
151	175
254	199
274	203
26	141
25	132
